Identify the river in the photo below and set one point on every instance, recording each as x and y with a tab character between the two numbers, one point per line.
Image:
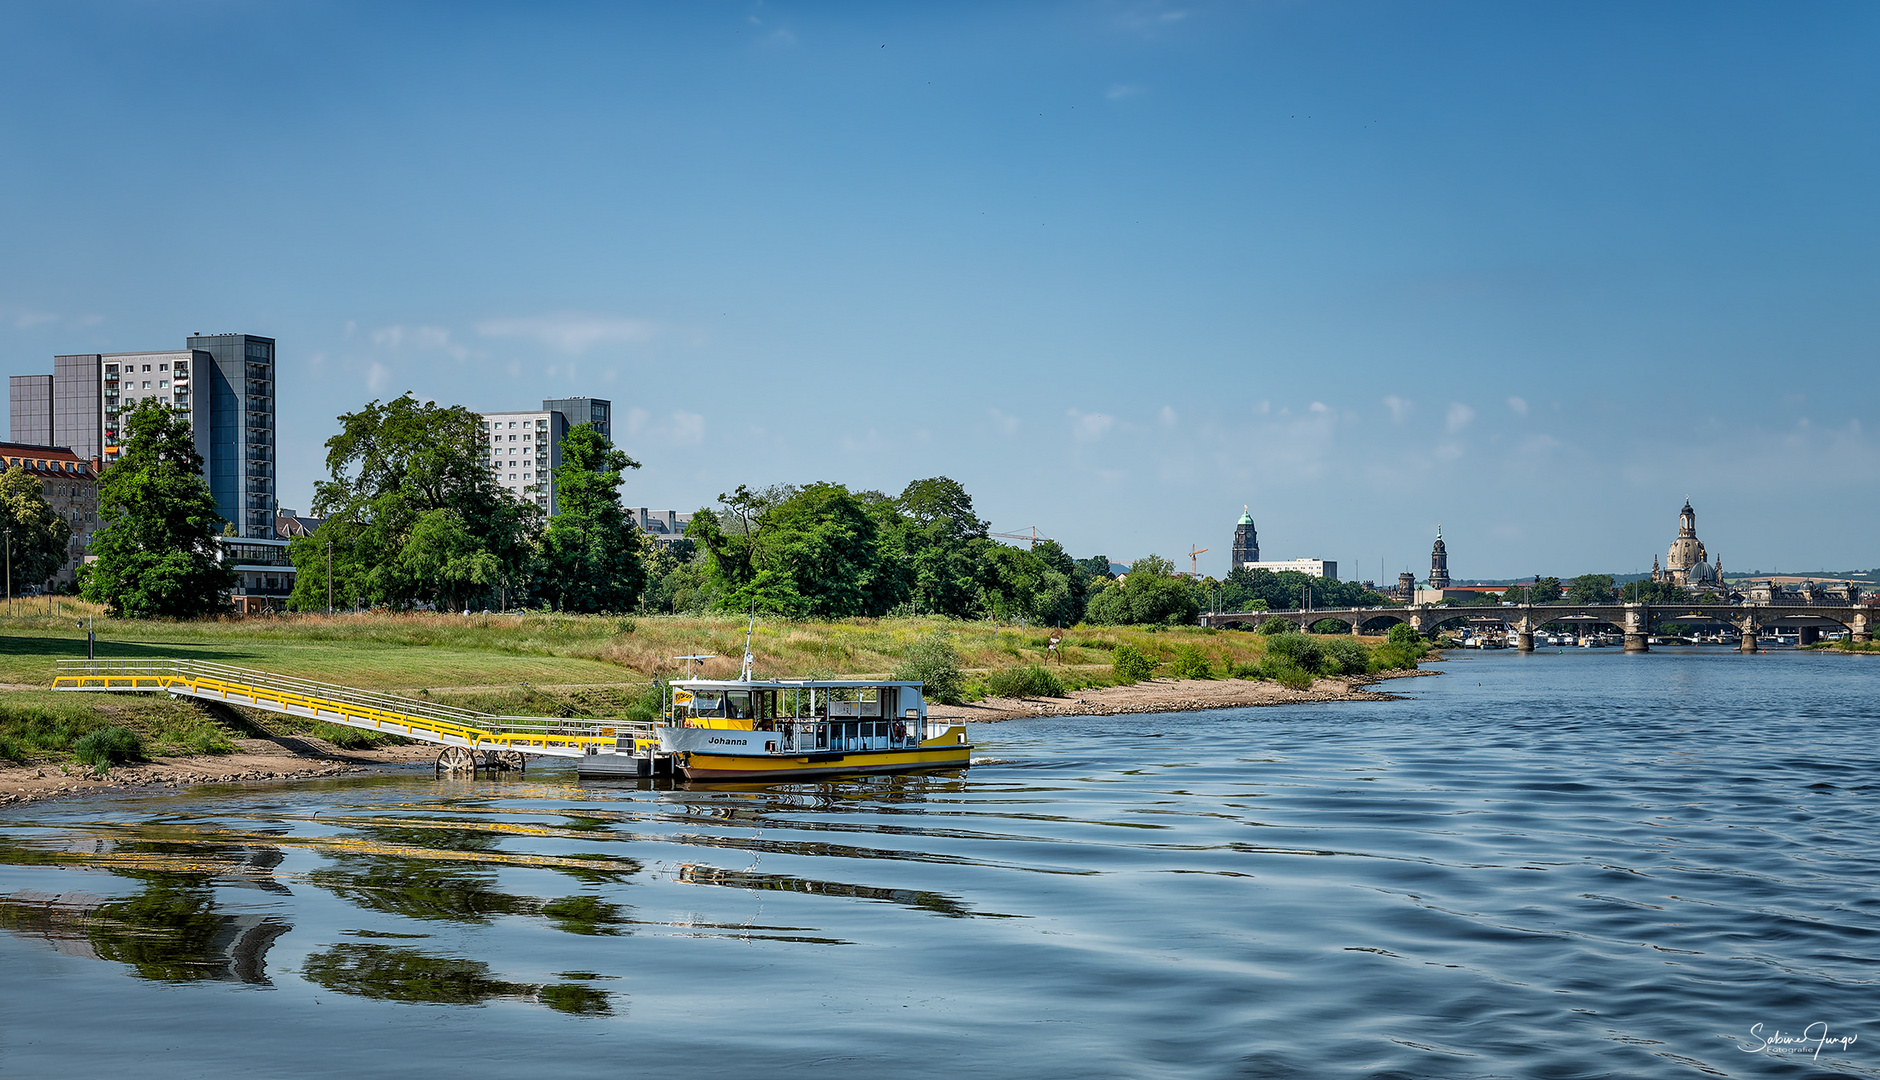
1570	864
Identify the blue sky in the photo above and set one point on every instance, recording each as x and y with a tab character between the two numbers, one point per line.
1533	272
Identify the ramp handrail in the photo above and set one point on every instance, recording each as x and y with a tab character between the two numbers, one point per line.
424	720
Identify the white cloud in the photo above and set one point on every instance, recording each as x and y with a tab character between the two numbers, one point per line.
1460	416
376	377
1168	417
1006	422
418	337
1519	405
681	428
1089	427
1318	407
569	333
1399	408
1119	91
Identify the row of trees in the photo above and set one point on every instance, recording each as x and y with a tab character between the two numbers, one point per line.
414	518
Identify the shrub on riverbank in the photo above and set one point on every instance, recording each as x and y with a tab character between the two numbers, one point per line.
1190	662
1032	680
1129	664
106	747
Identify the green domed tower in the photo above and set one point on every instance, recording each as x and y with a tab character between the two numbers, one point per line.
1246	541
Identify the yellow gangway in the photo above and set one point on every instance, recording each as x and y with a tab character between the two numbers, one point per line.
477	732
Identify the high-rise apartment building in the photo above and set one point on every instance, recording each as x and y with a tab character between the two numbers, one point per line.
223	384
525	447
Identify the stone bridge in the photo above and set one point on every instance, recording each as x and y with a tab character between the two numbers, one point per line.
1637	621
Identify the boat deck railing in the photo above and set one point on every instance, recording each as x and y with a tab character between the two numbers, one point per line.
426	721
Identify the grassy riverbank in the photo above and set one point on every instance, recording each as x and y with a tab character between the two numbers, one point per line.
540	664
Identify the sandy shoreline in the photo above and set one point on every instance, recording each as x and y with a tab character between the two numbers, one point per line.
286	758
1170	695
302	757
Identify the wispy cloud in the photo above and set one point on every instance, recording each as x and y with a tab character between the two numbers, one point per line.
1519	405
1119	91
377	375
1006	422
1460	416
1399	408
570	333
1089	427
418	337
678	428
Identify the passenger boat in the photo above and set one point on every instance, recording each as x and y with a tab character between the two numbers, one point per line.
781	729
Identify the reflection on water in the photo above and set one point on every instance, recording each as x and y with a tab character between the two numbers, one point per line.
394	973
169	931
1585	865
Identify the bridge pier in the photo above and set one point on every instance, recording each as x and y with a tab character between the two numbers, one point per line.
1748	643
1524	641
1860	629
1637	621
1808	635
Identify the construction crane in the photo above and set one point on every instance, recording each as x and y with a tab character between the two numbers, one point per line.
1032	536
1194	551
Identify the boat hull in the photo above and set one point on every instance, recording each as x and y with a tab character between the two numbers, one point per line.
697	765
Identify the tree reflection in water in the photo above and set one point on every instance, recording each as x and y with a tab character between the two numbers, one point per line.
395	973
170	932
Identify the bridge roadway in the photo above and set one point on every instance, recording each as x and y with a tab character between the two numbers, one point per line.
1637	621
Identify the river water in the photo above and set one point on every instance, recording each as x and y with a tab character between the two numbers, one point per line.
1570	864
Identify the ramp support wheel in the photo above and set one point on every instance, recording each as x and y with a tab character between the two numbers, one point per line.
512	760
457	761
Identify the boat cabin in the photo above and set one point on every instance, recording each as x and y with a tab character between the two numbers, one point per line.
809	714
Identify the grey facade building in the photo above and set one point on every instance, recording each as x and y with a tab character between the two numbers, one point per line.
580	410
525	447
75	386
237	386
223	384
29	409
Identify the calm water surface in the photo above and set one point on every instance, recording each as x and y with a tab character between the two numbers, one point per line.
1562	865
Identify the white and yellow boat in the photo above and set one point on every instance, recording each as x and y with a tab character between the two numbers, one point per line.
781	729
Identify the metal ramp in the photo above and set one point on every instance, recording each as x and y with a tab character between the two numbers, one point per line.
472	739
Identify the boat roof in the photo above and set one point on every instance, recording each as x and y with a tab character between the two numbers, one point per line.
788	684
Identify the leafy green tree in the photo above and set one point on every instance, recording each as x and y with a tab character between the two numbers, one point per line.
934	662
413	514
1149	593
813	552
156	551
1591	589
38	534
944	545
1654	592
1544	591
590	554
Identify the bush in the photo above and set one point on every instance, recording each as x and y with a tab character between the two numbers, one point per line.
1190	663
1129	665
1344	656
1301	651
934	662
1283	671
1277	625
107	747
1404	634
1394	657
1030	681
12	750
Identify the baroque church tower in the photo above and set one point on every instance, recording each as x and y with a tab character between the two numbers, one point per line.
1439	562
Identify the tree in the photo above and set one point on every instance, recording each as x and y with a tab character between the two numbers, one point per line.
1544	591
803	552
1591	589
944	545
591	554
38	534
1149	593
414	514
156	551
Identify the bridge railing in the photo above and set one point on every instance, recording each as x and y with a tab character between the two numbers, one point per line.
425	720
